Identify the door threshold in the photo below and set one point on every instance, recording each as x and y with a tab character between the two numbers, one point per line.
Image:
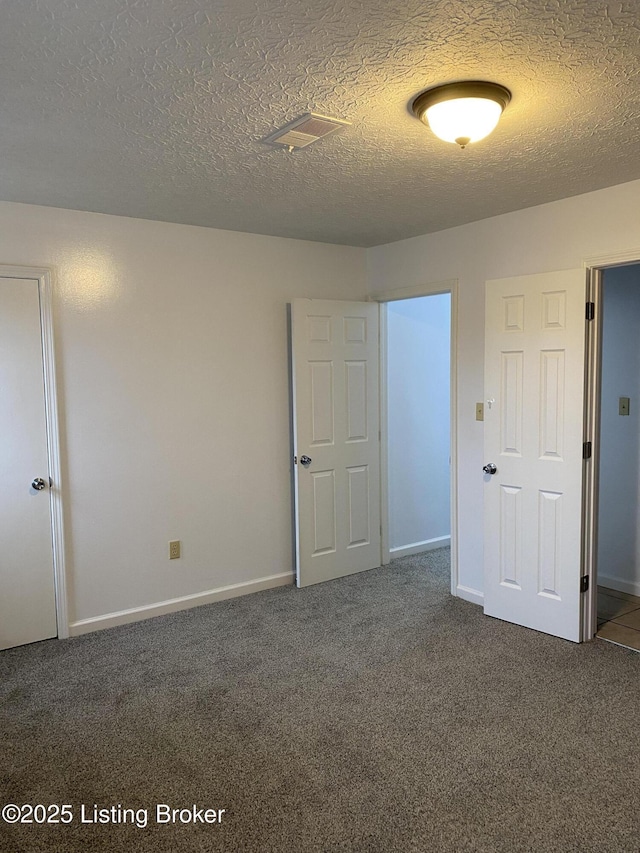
617	643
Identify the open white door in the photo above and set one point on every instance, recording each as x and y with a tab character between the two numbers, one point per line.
534	416
335	361
27	593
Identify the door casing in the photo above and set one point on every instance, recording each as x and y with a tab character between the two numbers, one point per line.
43	277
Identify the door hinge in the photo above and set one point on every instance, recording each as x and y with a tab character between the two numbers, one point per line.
586	450
591	310
584	583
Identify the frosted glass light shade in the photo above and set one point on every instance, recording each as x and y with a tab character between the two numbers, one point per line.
464	120
462	112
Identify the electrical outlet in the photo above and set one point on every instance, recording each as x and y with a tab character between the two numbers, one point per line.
479	411
174	549
623	406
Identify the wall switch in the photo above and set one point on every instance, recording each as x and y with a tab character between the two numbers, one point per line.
174	549
623	406
479	411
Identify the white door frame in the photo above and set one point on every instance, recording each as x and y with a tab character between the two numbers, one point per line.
429	289
594	267
43	277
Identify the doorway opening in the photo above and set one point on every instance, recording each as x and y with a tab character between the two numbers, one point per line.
617	541
418	435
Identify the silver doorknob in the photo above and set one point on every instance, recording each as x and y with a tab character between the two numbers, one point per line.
38	484
306	461
490	468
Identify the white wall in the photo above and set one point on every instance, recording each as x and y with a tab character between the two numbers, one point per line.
540	239
418	337
172	366
619	513
171	344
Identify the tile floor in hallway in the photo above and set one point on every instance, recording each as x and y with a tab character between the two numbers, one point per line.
619	617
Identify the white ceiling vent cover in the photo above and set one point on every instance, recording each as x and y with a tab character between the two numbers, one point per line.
305	130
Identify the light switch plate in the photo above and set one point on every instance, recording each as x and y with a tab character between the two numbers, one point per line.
479	411
623	406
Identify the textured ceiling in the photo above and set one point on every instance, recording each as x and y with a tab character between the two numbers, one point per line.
156	109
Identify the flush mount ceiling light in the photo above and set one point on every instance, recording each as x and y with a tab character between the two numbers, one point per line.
462	112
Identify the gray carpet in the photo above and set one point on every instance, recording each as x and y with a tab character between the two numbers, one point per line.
373	713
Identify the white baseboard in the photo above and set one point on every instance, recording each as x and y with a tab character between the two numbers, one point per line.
630	587
419	547
472	595
135	614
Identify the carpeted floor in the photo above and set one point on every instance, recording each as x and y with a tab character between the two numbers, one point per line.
373	713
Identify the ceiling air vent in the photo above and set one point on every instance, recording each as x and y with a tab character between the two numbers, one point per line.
305	130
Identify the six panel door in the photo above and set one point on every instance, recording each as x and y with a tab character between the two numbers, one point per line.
335	354
534	393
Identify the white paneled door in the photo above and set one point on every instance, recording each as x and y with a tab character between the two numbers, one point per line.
27	597
335	357
534	415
